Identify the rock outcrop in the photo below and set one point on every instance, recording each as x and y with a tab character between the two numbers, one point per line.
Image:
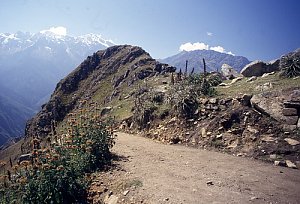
258	68
229	72
283	106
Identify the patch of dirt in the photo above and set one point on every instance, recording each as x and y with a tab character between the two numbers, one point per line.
151	172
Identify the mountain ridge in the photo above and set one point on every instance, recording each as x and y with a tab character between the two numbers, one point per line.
102	74
214	60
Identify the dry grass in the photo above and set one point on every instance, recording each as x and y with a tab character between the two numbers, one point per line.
243	87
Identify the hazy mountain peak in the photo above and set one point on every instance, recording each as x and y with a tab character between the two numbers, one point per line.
214	60
92	38
15	42
6	37
56	31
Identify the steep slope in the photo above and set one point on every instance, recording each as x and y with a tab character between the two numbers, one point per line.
214	60
103	77
30	67
13	115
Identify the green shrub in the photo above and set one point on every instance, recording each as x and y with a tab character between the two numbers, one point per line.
59	173
290	65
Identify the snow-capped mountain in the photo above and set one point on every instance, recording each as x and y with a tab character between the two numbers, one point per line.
31	64
16	42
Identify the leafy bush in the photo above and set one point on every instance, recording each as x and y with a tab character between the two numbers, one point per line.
204	86
214	79
290	65
145	105
59	172
182	98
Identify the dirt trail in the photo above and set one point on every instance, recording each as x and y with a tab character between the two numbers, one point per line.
179	174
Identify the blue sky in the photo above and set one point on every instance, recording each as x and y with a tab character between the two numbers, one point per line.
257	29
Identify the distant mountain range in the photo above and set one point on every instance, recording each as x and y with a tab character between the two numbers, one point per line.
214	60
30	67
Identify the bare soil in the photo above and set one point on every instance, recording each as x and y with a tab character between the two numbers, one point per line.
152	172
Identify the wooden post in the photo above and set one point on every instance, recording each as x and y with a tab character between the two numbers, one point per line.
193	70
172	79
186	66
204	68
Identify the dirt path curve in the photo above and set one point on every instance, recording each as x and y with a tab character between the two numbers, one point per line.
179	174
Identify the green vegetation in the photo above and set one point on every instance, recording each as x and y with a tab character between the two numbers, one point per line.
290	66
59	172
257	86
178	98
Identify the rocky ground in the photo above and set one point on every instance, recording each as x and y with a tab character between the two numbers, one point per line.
146	171
234	126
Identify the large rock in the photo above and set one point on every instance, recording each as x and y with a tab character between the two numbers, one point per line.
229	72
289	111
292	141
258	68
290	164
253	69
274	64
271	104
295	96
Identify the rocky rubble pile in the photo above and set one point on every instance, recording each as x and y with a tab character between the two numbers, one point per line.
232	125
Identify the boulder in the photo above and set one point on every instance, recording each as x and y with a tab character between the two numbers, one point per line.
253	69
280	163
229	72
289	128
245	101
267	138
258	68
267	74
291	120
235	80
253	78
295	96
291	104
111	199
233	145
267	105
289	111
203	132
290	164
274	64
291	141
271	104
213	100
